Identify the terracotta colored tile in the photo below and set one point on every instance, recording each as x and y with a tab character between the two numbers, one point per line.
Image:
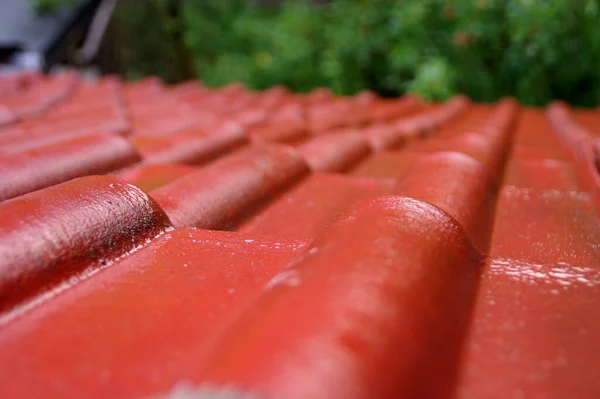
535	331
486	150
286	124
479	118
384	136
15	82
535	320
551	225
91	108
389	109
191	146
20	140
328	115
391	273
144	87
568	129
89	97
582	146
151	176
140	326
424	122
279	133
477	276
544	174
156	111
319	95
456	184
386	164
538	152
335	152
535	129
305	209
174	120
7	117
65	232
488	146
223	193
249	116
42	167
589	120
35	100
106	120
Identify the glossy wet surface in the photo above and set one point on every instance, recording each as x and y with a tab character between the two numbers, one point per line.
294	246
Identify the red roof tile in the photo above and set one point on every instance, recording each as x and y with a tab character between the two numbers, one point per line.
68	230
352	297
372	248
151	176
220	194
45	166
336	151
193	145
305	209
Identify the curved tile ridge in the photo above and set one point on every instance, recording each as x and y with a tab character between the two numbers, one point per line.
582	145
230	189
426	121
69	230
22	139
499	131
464	180
37	99
503	116
45	166
152	176
569	131
388	109
192	146
490	144
457	184
333	114
335	152
285	124
376	308
382	136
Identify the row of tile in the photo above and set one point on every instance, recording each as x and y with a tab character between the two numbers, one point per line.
213	197
440	250
59	137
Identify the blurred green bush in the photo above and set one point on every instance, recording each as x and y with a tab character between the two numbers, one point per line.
43	6
532	49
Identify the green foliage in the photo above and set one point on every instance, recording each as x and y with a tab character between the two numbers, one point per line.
43	6
534	50
149	33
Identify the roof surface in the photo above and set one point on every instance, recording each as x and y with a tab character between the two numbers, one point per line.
190	242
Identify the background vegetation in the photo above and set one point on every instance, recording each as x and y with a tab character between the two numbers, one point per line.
534	50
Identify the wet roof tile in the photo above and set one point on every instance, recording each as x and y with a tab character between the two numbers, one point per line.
194	145
307	207
293	246
45	166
